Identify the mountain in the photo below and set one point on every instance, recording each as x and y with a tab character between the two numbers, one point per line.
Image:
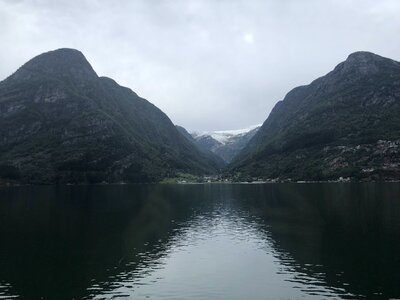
209	154
226	144
185	133
61	123
344	124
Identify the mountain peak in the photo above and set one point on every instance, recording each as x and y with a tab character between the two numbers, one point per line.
364	62
363	56
334	127
61	123
225	143
60	63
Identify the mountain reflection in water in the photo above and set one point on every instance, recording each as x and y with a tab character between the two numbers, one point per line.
273	241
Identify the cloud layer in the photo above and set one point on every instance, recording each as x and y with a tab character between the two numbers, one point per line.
208	64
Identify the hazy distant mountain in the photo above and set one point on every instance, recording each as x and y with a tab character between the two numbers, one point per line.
211	155
346	123
226	144
60	122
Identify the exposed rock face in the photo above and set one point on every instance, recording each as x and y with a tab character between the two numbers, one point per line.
225	144
372	160
212	156
66	64
332	127
60	122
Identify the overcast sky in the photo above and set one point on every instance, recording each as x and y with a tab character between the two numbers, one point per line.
210	65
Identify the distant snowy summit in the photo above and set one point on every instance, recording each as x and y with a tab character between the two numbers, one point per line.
225	136
225	143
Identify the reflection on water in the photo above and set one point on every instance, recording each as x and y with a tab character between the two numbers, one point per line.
274	241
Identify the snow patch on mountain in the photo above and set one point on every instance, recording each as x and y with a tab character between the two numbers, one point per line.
224	136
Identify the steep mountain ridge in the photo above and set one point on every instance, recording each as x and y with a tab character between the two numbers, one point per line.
62	123
310	134
212	156
225	143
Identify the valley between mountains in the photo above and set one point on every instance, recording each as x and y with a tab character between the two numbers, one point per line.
61	123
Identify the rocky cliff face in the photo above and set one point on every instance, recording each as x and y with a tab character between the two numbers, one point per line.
344	124
205	150
60	122
225	144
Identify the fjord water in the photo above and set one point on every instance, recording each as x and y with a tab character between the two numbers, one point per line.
272	241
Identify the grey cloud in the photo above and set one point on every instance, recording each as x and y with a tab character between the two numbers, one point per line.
211	64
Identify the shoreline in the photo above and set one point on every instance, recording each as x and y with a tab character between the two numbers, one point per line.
6	185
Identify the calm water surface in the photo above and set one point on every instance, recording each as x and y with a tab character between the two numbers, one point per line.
273	241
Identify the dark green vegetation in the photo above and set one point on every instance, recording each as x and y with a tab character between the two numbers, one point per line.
61	123
185	133
344	124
